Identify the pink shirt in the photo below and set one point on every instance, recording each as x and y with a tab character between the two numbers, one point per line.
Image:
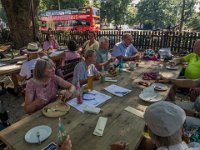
36	90
69	55
50	45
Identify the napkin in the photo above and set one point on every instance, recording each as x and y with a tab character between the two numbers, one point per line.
135	111
99	129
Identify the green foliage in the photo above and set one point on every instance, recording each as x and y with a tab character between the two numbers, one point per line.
160	14
3	14
115	10
53	4
157	13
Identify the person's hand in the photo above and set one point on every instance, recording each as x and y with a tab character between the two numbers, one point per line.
96	77
172	62
67	145
163	79
66	93
112	59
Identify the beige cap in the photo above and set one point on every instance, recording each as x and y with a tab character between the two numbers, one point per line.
164	118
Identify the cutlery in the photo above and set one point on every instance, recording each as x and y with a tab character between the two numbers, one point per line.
53	110
38	137
122	93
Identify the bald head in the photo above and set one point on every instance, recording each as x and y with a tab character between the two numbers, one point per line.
127	38
196	47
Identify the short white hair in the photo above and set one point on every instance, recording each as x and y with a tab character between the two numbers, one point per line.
103	39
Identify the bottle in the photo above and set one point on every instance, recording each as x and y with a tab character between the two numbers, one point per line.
161	61
121	66
79	93
61	132
90	78
102	74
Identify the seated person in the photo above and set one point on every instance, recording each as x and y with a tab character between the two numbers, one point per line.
27	67
165	125
50	43
72	53
43	87
103	55
81	69
91	44
191	108
125	50
192	71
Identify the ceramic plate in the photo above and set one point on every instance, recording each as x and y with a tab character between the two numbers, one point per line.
44	132
160	87
172	67
56	109
150	98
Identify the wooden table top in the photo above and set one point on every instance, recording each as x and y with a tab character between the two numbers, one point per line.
121	125
9	69
4	48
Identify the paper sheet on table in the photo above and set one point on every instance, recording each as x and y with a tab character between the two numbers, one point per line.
101	124
94	99
117	90
135	111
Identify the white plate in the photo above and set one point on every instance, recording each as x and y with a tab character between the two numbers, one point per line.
31	135
172	67
149	98
159	87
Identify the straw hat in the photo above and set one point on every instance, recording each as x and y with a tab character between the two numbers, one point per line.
32	48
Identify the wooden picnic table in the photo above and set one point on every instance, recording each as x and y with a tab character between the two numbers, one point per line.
9	69
121	125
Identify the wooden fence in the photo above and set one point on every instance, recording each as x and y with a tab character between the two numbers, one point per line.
177	41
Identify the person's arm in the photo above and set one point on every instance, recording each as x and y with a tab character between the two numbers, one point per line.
31	105
192	113
99	65
177	61
129	58
185	83
70	88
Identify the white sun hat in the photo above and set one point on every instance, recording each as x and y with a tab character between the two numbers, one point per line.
164	118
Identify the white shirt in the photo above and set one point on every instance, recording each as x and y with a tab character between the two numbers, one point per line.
182	146
27	67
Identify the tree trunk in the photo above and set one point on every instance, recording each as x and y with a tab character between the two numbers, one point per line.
20	21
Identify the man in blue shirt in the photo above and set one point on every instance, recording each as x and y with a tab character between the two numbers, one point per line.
125	50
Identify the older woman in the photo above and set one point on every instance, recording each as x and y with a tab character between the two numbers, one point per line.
91	44
43	87
50	43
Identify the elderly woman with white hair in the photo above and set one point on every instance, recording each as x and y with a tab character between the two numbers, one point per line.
103	55
165	124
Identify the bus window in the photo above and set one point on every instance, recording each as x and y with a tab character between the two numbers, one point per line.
67	11
96	20
95	12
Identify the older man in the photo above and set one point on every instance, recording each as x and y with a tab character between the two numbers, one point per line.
81	69
125	50
165	124
103	55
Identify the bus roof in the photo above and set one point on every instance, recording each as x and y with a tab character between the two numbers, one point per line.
67	11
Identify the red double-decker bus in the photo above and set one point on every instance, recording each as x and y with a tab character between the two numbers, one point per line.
82	19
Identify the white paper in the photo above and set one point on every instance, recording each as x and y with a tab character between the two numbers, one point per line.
135	111
117	90
96	100
101	124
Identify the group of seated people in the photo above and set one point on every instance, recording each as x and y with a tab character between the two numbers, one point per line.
43	83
